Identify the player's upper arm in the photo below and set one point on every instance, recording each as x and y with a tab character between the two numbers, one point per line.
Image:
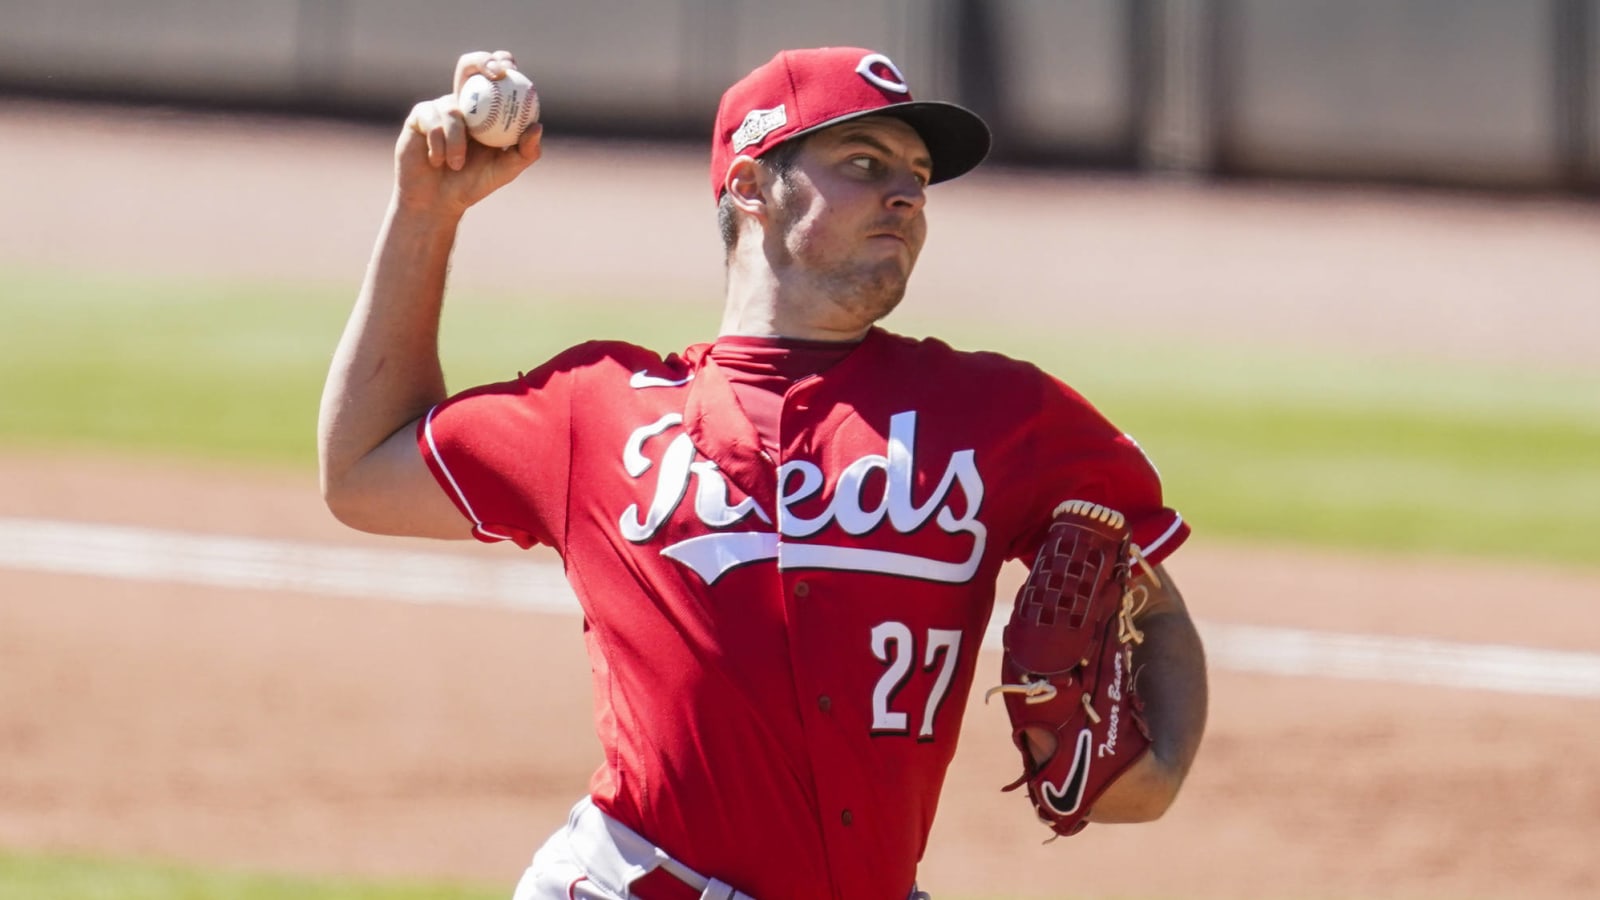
391	491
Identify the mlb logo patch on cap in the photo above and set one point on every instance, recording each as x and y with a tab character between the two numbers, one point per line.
757	125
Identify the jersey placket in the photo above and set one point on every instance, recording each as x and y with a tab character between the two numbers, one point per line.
840	797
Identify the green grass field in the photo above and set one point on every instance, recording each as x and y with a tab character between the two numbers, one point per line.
76	878
38	877
1378	454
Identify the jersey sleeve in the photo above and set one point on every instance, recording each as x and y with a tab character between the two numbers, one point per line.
502	453
1080	455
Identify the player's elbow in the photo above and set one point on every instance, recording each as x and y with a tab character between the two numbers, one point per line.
336	479
353	487
343	499
352	500
391	493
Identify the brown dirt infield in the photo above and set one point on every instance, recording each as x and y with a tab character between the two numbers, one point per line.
361	736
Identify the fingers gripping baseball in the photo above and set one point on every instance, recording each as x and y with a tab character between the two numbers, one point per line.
439	166
481	62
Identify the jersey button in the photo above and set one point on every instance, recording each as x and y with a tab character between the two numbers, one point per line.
825	703
801	589
846	818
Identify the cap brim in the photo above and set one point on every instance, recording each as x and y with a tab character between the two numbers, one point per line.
957	138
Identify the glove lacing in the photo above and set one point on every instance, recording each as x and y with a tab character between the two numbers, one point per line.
1134	600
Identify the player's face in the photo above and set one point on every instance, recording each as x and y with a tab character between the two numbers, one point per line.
850	213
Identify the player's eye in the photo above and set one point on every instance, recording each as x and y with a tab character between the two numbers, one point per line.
872	165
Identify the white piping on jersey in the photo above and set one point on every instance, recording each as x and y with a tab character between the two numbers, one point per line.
1177	521
1147	460
640	379
477	523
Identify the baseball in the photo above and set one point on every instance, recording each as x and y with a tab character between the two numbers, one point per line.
497	112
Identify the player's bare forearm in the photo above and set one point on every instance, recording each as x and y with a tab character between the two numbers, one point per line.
386	371
1172	682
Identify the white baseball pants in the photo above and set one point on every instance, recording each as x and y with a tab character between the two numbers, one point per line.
595	857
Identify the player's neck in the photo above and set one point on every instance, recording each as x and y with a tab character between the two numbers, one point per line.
760	303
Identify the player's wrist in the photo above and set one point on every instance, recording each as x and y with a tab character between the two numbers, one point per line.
424	210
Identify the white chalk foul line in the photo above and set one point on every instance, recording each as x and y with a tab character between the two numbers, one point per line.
141	554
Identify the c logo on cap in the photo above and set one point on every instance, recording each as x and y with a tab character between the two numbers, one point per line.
868	69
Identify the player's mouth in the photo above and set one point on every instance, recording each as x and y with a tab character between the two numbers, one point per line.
898	228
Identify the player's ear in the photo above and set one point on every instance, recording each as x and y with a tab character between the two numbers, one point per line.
744	187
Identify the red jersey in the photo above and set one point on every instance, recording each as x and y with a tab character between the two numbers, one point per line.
782	644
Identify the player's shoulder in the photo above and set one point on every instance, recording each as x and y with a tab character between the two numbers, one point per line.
606	352
612	357
1029	385
933	353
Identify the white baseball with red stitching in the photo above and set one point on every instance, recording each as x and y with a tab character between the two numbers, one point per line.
498	112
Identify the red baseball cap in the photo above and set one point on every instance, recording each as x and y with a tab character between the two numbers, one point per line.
801	91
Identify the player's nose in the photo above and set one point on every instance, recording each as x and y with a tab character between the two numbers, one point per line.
906	192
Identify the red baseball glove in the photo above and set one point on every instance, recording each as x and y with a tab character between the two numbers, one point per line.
1067	675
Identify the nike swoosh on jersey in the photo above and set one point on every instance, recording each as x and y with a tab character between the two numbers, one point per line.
641	379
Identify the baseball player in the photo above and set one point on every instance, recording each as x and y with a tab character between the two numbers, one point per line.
785	540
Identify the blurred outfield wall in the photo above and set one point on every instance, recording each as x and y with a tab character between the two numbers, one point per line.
1491	93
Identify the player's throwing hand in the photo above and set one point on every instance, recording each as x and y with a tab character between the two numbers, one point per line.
438	168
